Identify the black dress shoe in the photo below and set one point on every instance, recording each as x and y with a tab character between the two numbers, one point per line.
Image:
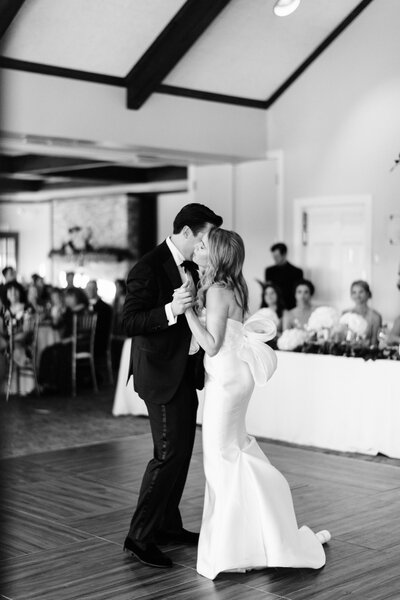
148	554
183	536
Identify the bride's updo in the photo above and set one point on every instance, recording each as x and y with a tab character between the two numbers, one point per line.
225	264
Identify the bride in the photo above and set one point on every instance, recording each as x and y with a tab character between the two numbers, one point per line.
248	516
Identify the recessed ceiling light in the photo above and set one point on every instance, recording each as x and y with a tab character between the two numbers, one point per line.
283	8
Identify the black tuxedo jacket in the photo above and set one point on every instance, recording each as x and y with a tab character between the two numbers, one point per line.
159	352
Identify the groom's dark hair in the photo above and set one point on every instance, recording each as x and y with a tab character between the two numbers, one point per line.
195	216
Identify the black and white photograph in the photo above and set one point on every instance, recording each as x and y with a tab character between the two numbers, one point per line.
199	299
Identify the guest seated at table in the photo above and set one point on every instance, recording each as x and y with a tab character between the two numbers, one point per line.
103	327
10	277
57	308
272	298
360	294
298	316
55	362
17	313
43	290
70	275
35	301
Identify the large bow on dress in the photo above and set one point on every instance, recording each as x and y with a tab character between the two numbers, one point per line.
261	359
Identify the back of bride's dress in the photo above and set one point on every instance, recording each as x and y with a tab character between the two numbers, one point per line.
248	518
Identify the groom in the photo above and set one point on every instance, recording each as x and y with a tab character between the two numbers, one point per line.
167	367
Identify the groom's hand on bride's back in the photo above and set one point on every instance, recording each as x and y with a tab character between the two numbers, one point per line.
182	299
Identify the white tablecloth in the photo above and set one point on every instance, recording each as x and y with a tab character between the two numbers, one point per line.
333	402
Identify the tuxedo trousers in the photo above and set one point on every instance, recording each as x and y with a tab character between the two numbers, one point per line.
173	429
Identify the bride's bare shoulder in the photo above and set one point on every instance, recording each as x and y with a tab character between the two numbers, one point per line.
219	291
218	294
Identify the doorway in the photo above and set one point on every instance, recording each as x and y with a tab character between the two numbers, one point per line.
333	244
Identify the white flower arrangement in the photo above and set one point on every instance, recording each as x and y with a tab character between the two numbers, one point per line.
355	323
323	317
291	339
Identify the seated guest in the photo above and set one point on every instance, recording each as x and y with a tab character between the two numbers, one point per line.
70	286
272	298
103	326
298	316
283	274
43	290
10	277
360	294
18	311
35	301
57	308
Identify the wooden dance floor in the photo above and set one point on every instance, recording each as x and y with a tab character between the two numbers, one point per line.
66	514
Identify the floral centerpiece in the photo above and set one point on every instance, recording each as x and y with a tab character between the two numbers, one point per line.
292	339
323	317
356	324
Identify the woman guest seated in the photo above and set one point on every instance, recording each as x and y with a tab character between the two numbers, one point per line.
298	316
18	311
57	308
360	294
272	298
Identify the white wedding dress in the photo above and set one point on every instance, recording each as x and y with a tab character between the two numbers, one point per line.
248	517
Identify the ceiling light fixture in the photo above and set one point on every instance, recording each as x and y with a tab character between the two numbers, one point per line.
283	8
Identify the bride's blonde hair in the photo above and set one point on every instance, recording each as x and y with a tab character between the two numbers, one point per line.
226	257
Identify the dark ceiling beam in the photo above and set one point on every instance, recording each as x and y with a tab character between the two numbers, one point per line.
41	163
172	90
42	69
8	11
314	55
169	47
20	185
124	174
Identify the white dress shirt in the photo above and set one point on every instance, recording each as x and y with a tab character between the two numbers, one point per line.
178	258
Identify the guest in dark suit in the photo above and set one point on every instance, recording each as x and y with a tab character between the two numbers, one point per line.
103	328
167	367
284	274
104	316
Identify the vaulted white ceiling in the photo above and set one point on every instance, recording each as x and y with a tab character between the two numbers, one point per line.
246	52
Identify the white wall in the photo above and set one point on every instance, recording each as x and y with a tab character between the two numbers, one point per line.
57	107
33	223
338	127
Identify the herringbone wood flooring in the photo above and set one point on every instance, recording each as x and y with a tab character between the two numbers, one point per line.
65	514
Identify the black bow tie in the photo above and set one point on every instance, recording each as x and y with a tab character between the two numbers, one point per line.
190	267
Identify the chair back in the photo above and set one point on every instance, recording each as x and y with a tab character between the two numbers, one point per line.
117	330
29	328
83	332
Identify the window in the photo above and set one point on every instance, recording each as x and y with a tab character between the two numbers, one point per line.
8	250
